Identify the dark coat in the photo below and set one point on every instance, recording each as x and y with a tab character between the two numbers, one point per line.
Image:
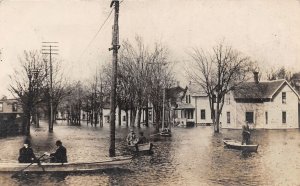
26	155
60	155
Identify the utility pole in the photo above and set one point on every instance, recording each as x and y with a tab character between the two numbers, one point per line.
163	112
50	48
114	48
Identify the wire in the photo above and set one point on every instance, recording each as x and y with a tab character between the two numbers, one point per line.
96	33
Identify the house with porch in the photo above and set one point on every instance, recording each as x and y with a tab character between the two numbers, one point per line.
10	117
182	111
269	105
200	102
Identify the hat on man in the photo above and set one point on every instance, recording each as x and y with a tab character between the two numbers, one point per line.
27	141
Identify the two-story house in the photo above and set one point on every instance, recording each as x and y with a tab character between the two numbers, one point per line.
269	104
200	101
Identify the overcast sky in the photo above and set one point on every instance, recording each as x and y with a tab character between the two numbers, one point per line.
266	30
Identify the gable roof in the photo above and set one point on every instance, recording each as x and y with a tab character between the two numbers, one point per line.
262	91
196	90
175	94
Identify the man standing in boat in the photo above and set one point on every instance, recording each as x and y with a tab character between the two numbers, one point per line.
60	155
246	133
26	154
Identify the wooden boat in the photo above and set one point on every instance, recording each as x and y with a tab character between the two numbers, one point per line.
113	162
145	147
233	144
166	132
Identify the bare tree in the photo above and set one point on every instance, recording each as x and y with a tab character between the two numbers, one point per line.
217	73
27	82
279	73
143	74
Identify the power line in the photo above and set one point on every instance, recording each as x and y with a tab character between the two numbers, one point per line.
96	33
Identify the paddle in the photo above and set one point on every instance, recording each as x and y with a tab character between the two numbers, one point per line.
22	170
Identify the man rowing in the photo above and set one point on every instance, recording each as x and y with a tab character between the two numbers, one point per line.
142	139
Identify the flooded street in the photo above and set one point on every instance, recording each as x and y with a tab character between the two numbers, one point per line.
192	156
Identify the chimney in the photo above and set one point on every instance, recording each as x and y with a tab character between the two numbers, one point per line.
256	77
178	83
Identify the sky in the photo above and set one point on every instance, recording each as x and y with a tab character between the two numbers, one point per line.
268	31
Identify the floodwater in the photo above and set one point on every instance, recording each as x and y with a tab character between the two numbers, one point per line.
192	156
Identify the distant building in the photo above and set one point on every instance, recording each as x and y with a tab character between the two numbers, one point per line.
10	117
180	109
270	105
200	101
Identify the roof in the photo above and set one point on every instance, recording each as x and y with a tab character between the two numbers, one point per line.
175	94
182	106
196	90
259	91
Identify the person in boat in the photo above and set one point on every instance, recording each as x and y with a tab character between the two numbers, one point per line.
142	139
60	155
131	138
26	154
245	133
166	130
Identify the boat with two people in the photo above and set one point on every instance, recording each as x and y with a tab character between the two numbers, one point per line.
138	144
72	167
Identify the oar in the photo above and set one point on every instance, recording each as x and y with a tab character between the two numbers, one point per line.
22	170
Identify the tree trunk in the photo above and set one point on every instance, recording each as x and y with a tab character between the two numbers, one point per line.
126	117
147	116
157	118
27	125
139	117
119	116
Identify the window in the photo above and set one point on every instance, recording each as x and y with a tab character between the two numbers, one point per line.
284	117
228	117
283	97
188	98
202	114
14	107
249	117
228	99
1	107
266	115
124	118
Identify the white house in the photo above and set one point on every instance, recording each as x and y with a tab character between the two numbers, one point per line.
200	102
270	104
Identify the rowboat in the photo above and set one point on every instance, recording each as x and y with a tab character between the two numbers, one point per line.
166	133
114	162
233	144
144	147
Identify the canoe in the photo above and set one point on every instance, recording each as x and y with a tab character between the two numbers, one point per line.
113	162
233	144
145	147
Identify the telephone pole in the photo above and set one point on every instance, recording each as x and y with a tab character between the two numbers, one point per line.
50	48
114	48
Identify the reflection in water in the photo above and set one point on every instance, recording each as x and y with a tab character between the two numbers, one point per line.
192	156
